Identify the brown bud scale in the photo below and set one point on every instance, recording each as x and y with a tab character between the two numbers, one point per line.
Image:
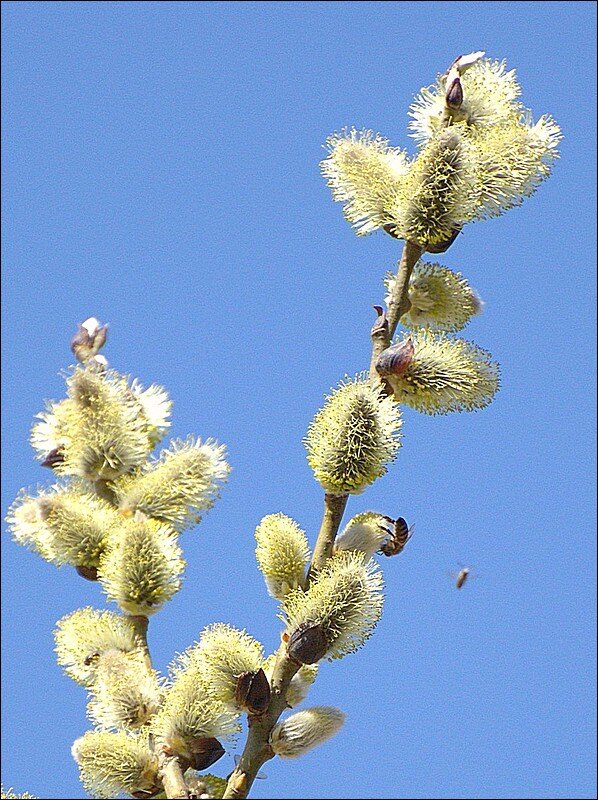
253	692
454	94
307	643
89	573
395	359
205	752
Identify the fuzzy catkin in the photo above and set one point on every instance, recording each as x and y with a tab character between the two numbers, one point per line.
183	482
301	732
111	763
142	566
440	193
364	172
224	653
441	300
191	708
125	693
84	636
352	438
476	159
78	525
345	600
282	553
104	434
364	533
446	375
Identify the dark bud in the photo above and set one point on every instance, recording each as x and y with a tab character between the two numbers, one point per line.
53	458
89	573
205	752
253	692
307	644
395	359
442	247
454	94
380	326
89	339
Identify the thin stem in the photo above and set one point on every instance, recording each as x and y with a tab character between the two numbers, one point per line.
399	303
334	508
140	623
257	749
386	325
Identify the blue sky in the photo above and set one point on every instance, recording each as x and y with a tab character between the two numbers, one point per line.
161	173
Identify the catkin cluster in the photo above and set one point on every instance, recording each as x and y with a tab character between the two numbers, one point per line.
115	511
479	154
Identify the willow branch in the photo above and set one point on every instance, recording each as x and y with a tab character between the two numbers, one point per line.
257	748
334	508
171	775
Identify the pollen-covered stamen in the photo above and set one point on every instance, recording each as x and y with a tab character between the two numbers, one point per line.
125	693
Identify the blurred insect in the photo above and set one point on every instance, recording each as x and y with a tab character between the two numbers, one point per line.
462	577
400	533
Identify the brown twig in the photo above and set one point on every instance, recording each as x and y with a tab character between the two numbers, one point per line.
334	508
385	326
